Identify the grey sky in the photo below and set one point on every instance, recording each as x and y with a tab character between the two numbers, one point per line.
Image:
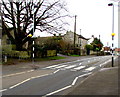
94	17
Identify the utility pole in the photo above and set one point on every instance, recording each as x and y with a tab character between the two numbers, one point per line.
74	33
80	41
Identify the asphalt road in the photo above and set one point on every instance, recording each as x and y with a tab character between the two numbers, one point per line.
64	77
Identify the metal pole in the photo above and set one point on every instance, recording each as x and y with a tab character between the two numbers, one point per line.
80	41
74	33
113	37
33	55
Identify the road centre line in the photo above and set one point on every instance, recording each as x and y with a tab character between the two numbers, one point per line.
19	83
3	90
17	73
28	80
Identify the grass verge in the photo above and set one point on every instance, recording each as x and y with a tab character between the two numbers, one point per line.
12	61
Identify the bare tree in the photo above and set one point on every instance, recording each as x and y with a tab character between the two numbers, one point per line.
27	17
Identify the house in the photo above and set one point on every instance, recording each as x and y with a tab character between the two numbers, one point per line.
80	41
106	49
117	51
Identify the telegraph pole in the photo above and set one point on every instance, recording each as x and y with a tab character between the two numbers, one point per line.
80	41
74	32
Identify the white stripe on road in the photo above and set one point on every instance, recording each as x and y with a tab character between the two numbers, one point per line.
85	74
75	80
19	83
73	83
31	79
3	90
90	69
57	91
56	71
51	66
61	66
70	66
17	73
78	68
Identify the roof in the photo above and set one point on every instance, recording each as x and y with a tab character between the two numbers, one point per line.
80	36
117	49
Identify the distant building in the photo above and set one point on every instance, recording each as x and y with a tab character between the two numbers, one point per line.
91	39
106	49
117	51
79	39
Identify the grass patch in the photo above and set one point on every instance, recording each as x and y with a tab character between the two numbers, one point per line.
49	58
75	55
12	61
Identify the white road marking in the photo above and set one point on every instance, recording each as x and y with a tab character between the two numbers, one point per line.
74	81
85	74
61	66
40	76
3	90
56	71
90	69
105	63
78	68
31	79
70	66
57	91
17	73
88	61
51	66
19	83
80	64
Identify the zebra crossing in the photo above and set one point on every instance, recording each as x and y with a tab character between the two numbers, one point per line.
85	65
74	67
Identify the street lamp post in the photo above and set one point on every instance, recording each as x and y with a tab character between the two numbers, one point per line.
113	34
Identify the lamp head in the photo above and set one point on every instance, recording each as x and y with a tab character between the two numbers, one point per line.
110	4
30	35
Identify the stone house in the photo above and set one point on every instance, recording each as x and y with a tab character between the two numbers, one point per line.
79	40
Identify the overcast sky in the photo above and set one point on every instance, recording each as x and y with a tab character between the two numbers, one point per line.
94	17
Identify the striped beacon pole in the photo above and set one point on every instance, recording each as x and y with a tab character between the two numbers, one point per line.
113	34
33	55
33	49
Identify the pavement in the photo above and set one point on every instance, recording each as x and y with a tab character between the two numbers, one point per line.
104	82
